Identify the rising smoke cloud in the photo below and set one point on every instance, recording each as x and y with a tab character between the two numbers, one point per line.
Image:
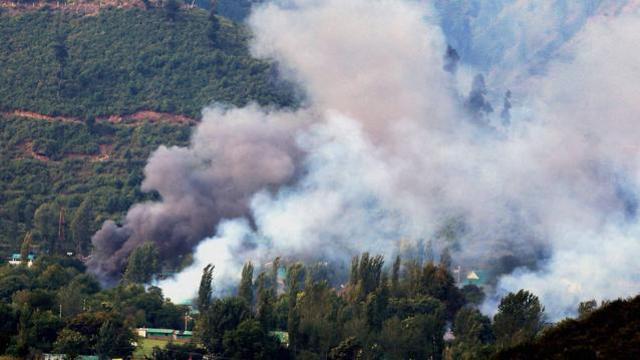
386	151
232	154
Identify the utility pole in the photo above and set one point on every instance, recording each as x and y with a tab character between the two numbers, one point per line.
186	319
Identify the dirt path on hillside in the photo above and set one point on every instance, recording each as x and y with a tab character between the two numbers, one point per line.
103	155
135	119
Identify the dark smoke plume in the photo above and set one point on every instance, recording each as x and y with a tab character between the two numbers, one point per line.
232	155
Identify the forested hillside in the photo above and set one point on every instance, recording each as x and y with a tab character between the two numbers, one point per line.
49	165
122	61
236	10
85	99
611	332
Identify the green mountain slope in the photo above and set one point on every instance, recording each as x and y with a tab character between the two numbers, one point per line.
611	332
86	69
122	61
56	164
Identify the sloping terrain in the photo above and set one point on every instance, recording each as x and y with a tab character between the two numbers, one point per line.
611	332
124	61
86	97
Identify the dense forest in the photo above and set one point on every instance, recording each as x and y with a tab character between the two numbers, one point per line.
93	172
402	310
87	69
122	61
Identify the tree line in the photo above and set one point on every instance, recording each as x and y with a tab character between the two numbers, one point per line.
400	311
290	310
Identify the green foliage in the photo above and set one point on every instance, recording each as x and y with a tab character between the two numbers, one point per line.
206	288
8	325
472	294
143	264
81	227
348	349
519	319
55	306
366	272
114	340
222	316
236	10
122	61
45	221
264	304
174	351
171	8
90	188
249	341
141	308
473	335
245	289
610	332
71	343
585	308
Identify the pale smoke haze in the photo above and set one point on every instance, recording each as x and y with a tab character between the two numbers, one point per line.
384	150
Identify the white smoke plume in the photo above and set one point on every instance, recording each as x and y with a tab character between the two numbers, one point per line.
512	39
385	150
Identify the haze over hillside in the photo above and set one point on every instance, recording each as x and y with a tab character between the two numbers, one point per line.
320	179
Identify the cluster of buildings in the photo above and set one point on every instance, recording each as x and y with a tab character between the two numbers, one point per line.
164	334
16	259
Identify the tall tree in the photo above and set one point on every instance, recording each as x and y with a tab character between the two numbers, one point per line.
264	303
61	54
25	248
222	316
294	275
249	341
445	259
114	340
368	272
46	225
245	290
273	279
214	26
206	288
143	264
81	227
520	317
395	276
471	327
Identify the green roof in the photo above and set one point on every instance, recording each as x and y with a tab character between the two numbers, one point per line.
282	336
17	257
161	331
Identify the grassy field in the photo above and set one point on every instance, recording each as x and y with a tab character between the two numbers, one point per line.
145	347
